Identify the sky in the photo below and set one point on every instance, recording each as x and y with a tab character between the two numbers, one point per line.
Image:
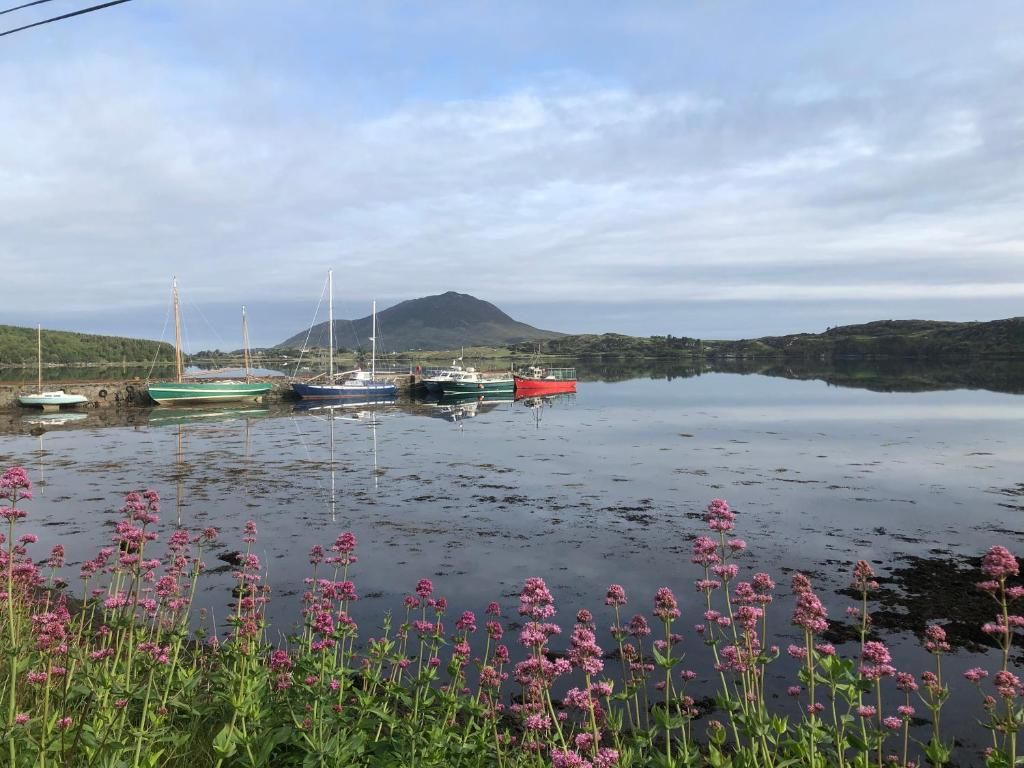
708	169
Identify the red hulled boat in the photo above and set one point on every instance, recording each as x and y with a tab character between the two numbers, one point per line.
545	381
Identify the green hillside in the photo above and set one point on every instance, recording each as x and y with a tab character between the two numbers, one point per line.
445	321
18	347
895	339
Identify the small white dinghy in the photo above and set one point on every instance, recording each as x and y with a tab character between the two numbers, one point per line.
49	401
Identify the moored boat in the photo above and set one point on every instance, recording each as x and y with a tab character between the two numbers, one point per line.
48	401
181	392
357	384
537	380
479	384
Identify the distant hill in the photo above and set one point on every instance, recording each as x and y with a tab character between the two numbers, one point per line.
908	339
18	347
446	321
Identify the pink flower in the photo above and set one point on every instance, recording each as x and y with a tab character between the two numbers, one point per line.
665	606
64	723
975	674
998	563
793	690
892	723
863	577
809	613
425	588
719	517
616	595
935	639
535	600
21	718
866	711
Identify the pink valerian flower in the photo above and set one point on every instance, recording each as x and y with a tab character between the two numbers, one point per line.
935	639
535	600
906	682
998	563
494	630
15	485
809	612
584	652
344	547
316	555
892	723
866	711
466	622
21	718
27	538
638	627
615	596
1007	685
707	585
493	609
975	674
665	606
905	710
64	723
719	517
794	691
424	588
863	577
705	552
585	617
569	758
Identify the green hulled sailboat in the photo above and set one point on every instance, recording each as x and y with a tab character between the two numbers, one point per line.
181	392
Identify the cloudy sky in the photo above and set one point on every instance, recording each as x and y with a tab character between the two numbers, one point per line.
712	169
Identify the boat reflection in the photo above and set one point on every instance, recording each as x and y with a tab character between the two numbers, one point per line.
53	419
366	411
459	407
538	404
159	417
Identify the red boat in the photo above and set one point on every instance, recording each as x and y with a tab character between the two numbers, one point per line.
545	381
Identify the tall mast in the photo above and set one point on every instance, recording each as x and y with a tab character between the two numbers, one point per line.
245	346
39	356
330	326
177	331
373	346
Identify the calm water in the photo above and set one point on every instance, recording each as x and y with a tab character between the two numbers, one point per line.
606	486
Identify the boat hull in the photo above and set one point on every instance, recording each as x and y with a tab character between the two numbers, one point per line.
344	391
51	401
526	386
478	387
207	392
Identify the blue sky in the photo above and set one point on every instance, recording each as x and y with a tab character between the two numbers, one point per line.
718	170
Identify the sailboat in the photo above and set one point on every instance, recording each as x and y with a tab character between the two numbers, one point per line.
358	383
50	401
181	391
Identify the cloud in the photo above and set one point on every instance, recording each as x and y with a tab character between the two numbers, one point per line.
577	180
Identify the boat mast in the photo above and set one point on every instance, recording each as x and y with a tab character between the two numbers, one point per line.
373	344
177	330
245	347
39	357
330	326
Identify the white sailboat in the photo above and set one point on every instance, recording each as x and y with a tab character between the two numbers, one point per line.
49	401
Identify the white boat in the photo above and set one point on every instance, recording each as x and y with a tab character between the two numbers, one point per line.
49	401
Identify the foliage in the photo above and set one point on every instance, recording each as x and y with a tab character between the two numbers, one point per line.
117	679
908	339
18	347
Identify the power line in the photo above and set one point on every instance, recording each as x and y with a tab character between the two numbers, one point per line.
25	5
99	7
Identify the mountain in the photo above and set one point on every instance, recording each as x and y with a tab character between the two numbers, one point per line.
18	347
883	339
446	321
